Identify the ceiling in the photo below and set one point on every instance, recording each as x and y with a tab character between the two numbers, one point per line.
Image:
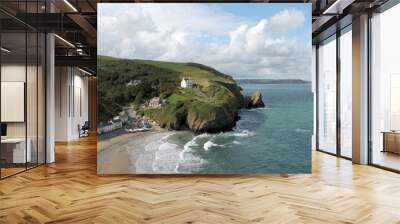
75	22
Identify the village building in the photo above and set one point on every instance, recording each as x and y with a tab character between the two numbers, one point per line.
133	82
123	116
186	83
155	102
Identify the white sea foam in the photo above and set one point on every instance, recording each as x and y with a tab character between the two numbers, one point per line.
188	146
167	146
153	145
244	133
187	159
176	170
191	164
167	136
185	150
259	108
166	158
236	142
145	161
209	144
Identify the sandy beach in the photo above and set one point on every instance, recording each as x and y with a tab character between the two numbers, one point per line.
118	155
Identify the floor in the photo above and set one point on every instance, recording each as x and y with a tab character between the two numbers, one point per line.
10	171
387	159
69	191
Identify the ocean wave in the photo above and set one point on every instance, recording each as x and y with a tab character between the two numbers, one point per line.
166	158
244	133
188	146
301	130
236	133
153	145
190	164
167	146
259	108
209	144
163	157
144	162
167	136
187	159
236	142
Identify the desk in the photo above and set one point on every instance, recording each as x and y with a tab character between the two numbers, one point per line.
13	150
391	141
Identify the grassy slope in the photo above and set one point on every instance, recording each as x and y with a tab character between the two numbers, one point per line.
215	89
198	75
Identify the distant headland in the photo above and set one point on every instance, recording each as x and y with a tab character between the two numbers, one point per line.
271	81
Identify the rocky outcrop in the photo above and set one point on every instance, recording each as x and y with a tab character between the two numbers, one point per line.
217	115
208	118
254	101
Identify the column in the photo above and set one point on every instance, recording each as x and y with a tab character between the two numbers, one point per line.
360	90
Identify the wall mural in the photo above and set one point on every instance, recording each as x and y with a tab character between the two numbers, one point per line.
204	88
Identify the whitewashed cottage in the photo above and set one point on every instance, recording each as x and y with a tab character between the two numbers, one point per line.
186	83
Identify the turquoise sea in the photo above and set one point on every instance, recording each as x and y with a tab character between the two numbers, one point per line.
274	139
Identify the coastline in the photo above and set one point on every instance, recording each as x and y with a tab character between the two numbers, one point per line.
108	142
118	155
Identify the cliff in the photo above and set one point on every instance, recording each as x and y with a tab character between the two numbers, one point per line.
211	105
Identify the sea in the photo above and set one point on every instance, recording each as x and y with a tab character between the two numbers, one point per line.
274	139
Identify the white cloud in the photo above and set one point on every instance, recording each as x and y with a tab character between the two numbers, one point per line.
200	33
191	17
287	19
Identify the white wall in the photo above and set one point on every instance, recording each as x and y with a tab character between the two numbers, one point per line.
33	125
62	81
71	94
17	73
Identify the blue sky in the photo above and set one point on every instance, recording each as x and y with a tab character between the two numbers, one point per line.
245	40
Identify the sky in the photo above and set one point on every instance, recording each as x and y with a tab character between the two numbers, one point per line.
244	40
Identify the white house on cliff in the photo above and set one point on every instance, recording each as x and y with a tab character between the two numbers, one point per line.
186	83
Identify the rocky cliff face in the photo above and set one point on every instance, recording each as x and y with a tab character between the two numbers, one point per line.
254	101
203	117
218	115
214	119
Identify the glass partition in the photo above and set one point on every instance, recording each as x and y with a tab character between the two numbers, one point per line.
14	153
385	89
22	101
327	96
41	96
31	97
346	93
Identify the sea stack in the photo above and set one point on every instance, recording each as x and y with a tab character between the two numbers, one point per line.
254	101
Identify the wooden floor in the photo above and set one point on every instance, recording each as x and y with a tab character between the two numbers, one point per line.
387	159
69	191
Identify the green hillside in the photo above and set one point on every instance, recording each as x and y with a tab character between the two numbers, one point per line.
211	105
